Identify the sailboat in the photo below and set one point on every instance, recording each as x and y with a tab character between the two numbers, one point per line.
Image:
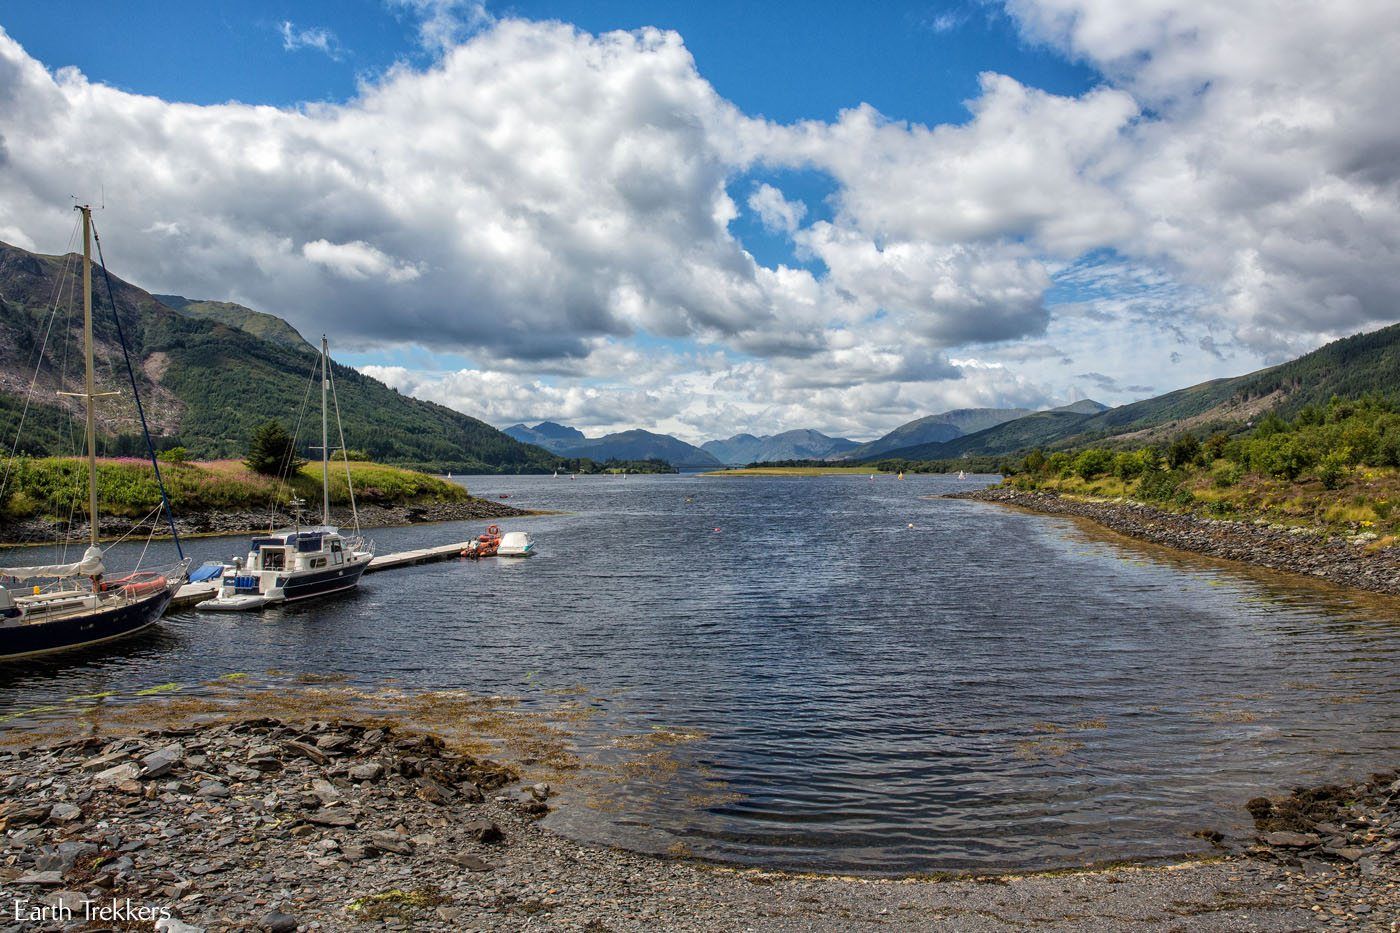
77	604
298	563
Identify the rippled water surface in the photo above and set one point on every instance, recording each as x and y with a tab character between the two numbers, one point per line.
985	687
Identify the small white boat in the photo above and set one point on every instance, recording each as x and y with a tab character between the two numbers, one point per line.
962	475
242	603
516	544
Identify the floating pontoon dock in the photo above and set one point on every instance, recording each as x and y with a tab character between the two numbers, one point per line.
194	593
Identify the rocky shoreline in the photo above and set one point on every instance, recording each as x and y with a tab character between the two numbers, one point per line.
263	824
45	531
1343	561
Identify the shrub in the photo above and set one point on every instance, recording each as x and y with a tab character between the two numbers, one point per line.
1183	451
1035	461
1132	464
1216	445
1227	475
1059	464
174	455
1092	463
1333	468
1280	455
1160	485
1270	424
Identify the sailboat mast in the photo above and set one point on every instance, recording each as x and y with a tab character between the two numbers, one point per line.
90	392
325	448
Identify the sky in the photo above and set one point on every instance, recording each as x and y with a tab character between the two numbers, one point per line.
706	219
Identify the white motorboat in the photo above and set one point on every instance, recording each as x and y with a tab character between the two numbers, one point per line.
289	565
298	563
516	544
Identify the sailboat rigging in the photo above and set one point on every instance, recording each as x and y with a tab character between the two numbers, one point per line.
62	612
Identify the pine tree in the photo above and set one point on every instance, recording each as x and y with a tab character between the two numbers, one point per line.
272	452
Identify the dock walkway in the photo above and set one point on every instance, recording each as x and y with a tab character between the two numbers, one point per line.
192	594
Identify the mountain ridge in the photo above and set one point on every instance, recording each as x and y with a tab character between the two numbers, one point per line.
258	323
1364	363
205	383
799	444
944	426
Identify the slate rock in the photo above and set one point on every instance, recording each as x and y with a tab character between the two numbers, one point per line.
175	925
471	862
103	762
119	774
307	751
65	813
332	816
1288	840
278	922
483	831
25	815
391	842
160	762
41	877
64	856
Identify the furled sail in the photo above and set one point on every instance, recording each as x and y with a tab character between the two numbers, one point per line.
89	566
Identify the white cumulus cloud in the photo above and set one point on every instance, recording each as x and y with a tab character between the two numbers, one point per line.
555	206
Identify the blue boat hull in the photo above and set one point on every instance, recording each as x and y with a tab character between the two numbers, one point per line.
324	583
39	638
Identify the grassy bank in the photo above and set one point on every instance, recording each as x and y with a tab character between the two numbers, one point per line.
53	487
797	471
1336	468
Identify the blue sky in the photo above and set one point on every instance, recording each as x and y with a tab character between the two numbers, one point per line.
773	216
785	61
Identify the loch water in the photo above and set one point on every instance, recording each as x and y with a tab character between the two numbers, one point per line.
871	679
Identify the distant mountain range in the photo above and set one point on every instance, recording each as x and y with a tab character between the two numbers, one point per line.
209	373
625	445
950	425
936	428
790	445
550	435
1349	368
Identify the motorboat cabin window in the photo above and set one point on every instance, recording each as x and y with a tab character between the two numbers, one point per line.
273	558
317	562
337	554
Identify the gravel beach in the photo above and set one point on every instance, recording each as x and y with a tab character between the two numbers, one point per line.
273	825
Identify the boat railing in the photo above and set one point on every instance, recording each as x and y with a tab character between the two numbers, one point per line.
69	594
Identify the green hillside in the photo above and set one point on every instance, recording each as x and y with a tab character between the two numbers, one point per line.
1349	368
207	384
266	326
